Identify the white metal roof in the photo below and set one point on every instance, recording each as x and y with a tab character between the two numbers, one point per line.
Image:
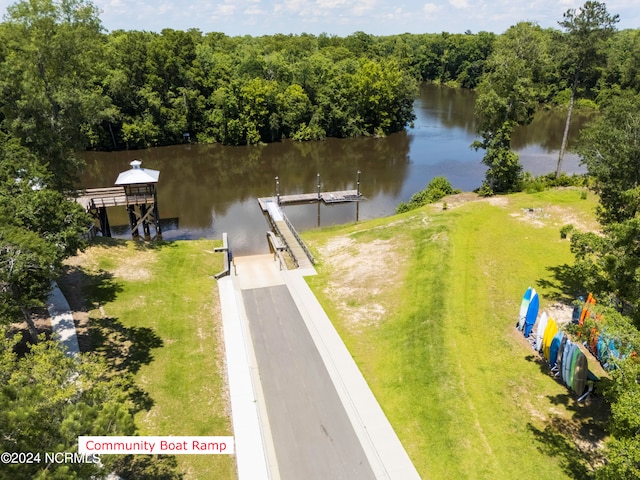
137	175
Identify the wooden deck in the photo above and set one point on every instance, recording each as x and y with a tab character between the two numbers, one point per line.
341	196
94	198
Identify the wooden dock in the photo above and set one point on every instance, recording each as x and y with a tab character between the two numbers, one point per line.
341	196
296	247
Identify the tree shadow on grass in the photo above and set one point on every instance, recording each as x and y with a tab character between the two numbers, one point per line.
576	441
564	284
125	349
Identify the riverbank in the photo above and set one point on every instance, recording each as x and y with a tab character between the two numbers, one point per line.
426	303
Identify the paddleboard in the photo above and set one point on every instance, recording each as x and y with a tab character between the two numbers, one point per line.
532	313
552	329
580	374
542	328
553	349
524	305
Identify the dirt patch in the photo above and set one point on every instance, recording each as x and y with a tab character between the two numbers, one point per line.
363	274
135	267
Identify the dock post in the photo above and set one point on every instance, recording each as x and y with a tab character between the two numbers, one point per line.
319	187
358	184
277	190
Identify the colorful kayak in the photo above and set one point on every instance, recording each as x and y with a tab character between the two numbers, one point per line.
553	349
586	310
566	361
564	341
572	369
552	329
581	371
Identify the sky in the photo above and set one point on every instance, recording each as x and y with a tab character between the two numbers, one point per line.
341	17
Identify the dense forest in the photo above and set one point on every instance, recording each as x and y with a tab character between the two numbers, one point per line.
67	85
130	89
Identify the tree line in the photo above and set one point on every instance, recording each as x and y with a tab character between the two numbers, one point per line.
129	89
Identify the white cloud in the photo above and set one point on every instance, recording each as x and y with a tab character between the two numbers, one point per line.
459	3
430	8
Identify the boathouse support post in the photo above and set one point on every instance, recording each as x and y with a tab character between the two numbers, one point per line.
104	222
156	218
133	221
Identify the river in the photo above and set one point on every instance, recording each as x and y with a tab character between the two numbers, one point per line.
205	190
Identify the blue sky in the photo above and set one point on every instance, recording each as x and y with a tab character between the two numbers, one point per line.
341	17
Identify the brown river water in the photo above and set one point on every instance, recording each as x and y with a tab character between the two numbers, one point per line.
205	190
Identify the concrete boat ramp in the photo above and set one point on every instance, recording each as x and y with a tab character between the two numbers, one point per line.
301	409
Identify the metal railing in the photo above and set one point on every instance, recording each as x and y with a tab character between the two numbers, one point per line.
300	241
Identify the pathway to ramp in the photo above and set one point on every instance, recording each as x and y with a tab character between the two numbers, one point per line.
316	416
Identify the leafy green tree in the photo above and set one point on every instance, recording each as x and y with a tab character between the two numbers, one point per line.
586	30
610	148
39	228
48	399
50	96
508	96
383	97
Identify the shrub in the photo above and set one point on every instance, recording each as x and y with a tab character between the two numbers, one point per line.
438	188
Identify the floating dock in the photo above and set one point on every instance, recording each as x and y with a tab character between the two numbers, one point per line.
342	196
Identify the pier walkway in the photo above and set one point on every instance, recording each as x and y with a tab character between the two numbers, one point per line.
300	406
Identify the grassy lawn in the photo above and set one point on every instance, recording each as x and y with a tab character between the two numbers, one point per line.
464	391
154	310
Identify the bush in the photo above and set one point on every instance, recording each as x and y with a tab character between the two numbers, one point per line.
438	188
531	184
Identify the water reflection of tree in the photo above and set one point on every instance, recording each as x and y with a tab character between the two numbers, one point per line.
453	107
547	128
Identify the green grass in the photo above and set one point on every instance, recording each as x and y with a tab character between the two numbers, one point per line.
464	392
159	318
